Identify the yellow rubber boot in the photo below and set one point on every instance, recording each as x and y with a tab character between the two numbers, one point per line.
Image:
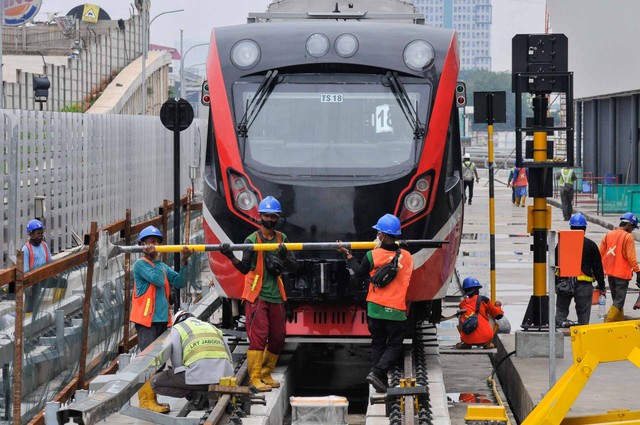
59	294
268	364
254	360
523	201
614	315
148	400
517	201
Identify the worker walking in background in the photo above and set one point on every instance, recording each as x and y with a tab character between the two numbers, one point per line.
386	299
36	254
469	174
150	310
580	288
264	294
474	326
566	178
618	251
520	182
199	357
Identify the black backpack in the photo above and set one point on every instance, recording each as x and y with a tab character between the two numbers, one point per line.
471	322
385	274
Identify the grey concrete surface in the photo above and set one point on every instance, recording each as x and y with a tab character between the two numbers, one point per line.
536	344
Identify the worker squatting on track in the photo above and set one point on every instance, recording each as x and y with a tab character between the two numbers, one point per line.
199	357
150	304
264	295
386	299
474	326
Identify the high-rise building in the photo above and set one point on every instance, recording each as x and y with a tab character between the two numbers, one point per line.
471	19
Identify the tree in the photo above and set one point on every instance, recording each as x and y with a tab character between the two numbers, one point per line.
481	80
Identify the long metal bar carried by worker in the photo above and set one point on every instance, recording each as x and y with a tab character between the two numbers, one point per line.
292	246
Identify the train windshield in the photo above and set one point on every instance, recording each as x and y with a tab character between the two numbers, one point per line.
331	125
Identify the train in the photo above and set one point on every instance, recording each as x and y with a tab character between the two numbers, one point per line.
343	114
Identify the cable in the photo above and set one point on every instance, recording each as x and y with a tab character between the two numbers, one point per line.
494	387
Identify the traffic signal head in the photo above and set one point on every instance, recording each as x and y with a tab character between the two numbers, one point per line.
461	94
205	97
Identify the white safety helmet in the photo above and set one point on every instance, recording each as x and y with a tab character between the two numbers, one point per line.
467	156
181	316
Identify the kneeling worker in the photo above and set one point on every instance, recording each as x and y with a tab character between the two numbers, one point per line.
199	357
481	333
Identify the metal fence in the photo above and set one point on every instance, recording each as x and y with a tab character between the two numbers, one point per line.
85	168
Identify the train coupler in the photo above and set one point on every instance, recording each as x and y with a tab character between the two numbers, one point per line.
407	388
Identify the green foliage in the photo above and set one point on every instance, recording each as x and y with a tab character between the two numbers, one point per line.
480	80
74	107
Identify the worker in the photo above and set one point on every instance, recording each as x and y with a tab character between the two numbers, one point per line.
36	254
386	304
566	177
519	183
199	357
580	288
618	252
469	174
474	304
150	309
264	294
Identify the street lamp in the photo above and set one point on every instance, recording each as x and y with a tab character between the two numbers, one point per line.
145	49
182	56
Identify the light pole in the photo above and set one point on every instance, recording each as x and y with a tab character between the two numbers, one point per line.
145	48
182	56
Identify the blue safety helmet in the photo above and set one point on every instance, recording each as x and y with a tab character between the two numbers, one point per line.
34	225
388	224
630	217
269	205
470	283
578	220
150	231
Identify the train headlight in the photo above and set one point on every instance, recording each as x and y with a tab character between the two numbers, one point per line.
414	202
246	200
245	54
422	185
346	45
318	45
418	55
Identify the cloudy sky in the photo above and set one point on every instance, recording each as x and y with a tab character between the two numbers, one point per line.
510	17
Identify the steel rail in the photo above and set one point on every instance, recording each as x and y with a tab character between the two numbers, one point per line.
113	395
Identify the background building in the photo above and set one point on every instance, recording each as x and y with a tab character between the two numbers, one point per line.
472	20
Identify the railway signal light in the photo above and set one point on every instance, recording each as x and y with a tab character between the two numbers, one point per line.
461	94
41	87
205	97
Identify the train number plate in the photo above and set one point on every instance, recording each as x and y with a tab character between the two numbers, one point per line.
331	98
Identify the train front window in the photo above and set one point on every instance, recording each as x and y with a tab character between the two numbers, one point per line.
329	125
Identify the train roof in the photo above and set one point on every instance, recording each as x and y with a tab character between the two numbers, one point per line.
379	44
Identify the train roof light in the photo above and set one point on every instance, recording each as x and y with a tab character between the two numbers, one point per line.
245	54
418	55
318	45
346	45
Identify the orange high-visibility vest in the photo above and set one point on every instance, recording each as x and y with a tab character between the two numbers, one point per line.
144	305
253	280
32	257
612	250
393	295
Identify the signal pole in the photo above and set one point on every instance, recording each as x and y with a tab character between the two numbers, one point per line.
540	67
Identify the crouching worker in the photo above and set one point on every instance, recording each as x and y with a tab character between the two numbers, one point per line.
474	326
199	356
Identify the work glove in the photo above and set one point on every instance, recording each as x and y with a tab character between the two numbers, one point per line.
226	251
273	264
282	251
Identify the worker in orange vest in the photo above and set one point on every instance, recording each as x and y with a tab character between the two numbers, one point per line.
477	330
386	299
619	261
264	294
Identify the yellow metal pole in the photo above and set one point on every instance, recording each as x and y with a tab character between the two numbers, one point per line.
539	218
492	215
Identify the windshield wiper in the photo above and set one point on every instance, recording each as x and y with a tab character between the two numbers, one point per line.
404	101
257	102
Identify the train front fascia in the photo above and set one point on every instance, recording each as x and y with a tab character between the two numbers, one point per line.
350	208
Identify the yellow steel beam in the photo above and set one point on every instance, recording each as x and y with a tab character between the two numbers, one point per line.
611	417
609	342
486	413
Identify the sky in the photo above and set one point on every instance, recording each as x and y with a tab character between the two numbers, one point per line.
510	17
